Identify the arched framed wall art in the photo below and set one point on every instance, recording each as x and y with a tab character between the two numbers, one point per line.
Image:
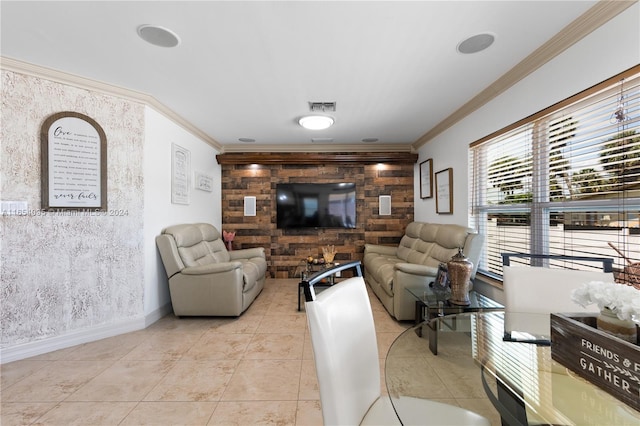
73	149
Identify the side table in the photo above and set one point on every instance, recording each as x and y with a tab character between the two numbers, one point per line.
429	307
326	277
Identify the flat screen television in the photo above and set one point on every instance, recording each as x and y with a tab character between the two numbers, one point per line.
316	205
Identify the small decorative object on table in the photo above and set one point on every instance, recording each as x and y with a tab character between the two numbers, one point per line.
459	270
329	253
619	306
228	238
440	286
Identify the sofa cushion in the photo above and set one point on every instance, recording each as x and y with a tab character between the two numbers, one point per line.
198	244
451	236
375	261
252	271
385	277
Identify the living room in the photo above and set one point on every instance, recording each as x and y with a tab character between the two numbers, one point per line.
121	286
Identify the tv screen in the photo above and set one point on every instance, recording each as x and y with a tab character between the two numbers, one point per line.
316	205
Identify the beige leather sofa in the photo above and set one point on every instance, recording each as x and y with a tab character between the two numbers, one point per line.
205	278
389	270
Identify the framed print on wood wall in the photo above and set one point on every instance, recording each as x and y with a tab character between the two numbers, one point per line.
426	179
74	163
444	191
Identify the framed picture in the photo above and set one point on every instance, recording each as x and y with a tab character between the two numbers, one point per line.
444	191
74	163
204	182
426	179
442	278
180	171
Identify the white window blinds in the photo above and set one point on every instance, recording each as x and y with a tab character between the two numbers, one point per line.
565	181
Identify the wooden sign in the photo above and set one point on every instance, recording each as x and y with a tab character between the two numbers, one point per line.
74	163
610	363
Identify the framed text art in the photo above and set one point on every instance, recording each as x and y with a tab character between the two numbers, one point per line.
180	172
204	182
426	179
444	191
74	163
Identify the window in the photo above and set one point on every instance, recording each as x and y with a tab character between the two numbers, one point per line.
565	181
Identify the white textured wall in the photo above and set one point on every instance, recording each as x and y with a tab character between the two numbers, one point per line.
70	278
159	212
607	51
62	273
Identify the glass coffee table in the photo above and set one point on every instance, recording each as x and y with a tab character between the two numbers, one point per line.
431	305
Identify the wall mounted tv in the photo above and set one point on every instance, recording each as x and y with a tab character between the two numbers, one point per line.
316	205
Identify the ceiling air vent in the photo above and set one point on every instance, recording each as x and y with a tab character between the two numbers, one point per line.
321	140
322	106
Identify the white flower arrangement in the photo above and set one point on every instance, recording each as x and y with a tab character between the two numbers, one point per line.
621	299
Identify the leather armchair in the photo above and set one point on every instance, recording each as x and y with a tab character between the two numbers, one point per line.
206	279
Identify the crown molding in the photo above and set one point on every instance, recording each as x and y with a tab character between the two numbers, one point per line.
61	77
311	158
592	19
361	147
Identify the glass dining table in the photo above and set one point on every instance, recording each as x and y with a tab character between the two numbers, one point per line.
509	379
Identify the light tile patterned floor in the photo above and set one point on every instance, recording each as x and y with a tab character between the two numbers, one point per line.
251	370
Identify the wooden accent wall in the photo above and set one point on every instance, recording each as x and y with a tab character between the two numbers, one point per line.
286	249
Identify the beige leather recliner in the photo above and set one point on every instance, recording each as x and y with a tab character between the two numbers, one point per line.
414	262
206	279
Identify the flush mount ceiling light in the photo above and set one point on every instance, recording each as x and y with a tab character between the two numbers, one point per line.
316	122
476	43
158	36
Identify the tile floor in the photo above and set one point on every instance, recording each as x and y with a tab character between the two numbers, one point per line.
255	369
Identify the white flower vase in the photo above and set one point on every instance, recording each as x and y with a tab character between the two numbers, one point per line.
609	322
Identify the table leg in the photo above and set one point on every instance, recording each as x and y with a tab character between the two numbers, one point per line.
433	336
418	318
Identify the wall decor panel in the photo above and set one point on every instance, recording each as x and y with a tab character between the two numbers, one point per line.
286	249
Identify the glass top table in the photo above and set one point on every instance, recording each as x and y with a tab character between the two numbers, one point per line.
508	382
430	305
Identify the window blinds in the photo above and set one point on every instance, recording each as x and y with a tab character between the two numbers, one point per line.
565	181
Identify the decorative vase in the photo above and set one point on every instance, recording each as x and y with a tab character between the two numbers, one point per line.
609	322
459	271
230	245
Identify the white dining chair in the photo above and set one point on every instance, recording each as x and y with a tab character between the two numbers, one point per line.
530	291
345	352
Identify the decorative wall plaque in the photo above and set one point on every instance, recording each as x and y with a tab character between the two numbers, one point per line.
444	191
180	173
74	163
426	179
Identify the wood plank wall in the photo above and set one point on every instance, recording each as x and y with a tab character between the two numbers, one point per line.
286	249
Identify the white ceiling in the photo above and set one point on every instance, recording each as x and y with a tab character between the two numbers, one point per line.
249	69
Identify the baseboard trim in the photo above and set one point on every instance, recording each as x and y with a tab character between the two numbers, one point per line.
78	337
154	316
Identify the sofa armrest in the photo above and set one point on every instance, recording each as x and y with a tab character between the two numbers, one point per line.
247	253
212	268
415	269
380	249
409	275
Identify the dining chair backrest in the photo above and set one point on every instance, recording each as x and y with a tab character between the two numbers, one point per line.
546	290
345	351
542	290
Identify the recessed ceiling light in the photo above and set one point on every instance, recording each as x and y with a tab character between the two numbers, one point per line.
158	36
246	140
316	122
476	43
370	140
